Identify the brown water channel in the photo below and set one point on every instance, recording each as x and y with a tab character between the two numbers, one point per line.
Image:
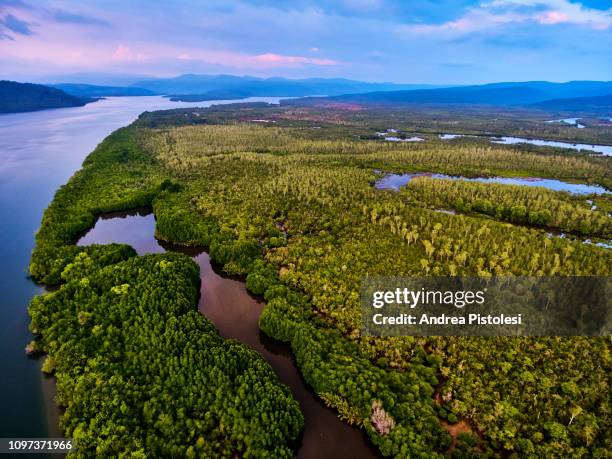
235	313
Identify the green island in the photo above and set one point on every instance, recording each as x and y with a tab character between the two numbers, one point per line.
291	206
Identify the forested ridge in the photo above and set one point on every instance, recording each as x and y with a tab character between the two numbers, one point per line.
294	211
27	97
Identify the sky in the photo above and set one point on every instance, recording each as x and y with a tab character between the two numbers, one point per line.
406	41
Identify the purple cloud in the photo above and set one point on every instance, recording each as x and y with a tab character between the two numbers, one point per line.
74	18
16	25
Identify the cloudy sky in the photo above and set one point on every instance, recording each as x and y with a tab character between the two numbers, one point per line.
410	41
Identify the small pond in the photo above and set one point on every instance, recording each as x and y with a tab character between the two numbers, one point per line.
570	121
399	139
389	136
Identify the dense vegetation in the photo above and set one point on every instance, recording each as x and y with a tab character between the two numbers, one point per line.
293	209
26	97
143	374
513	203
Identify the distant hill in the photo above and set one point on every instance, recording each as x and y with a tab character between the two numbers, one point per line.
215	94
523	93
26	97
202	84
598	104
90	90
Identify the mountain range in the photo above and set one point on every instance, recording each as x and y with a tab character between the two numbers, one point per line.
519	94
571	97
254	86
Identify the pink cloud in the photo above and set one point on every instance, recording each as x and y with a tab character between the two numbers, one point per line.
280	60
553	17
124	53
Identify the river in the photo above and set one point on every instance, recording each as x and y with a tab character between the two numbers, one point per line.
39	151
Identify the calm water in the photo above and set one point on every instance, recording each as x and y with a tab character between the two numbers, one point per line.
389	136
395	181
39	151
450	136
606	150
235	313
